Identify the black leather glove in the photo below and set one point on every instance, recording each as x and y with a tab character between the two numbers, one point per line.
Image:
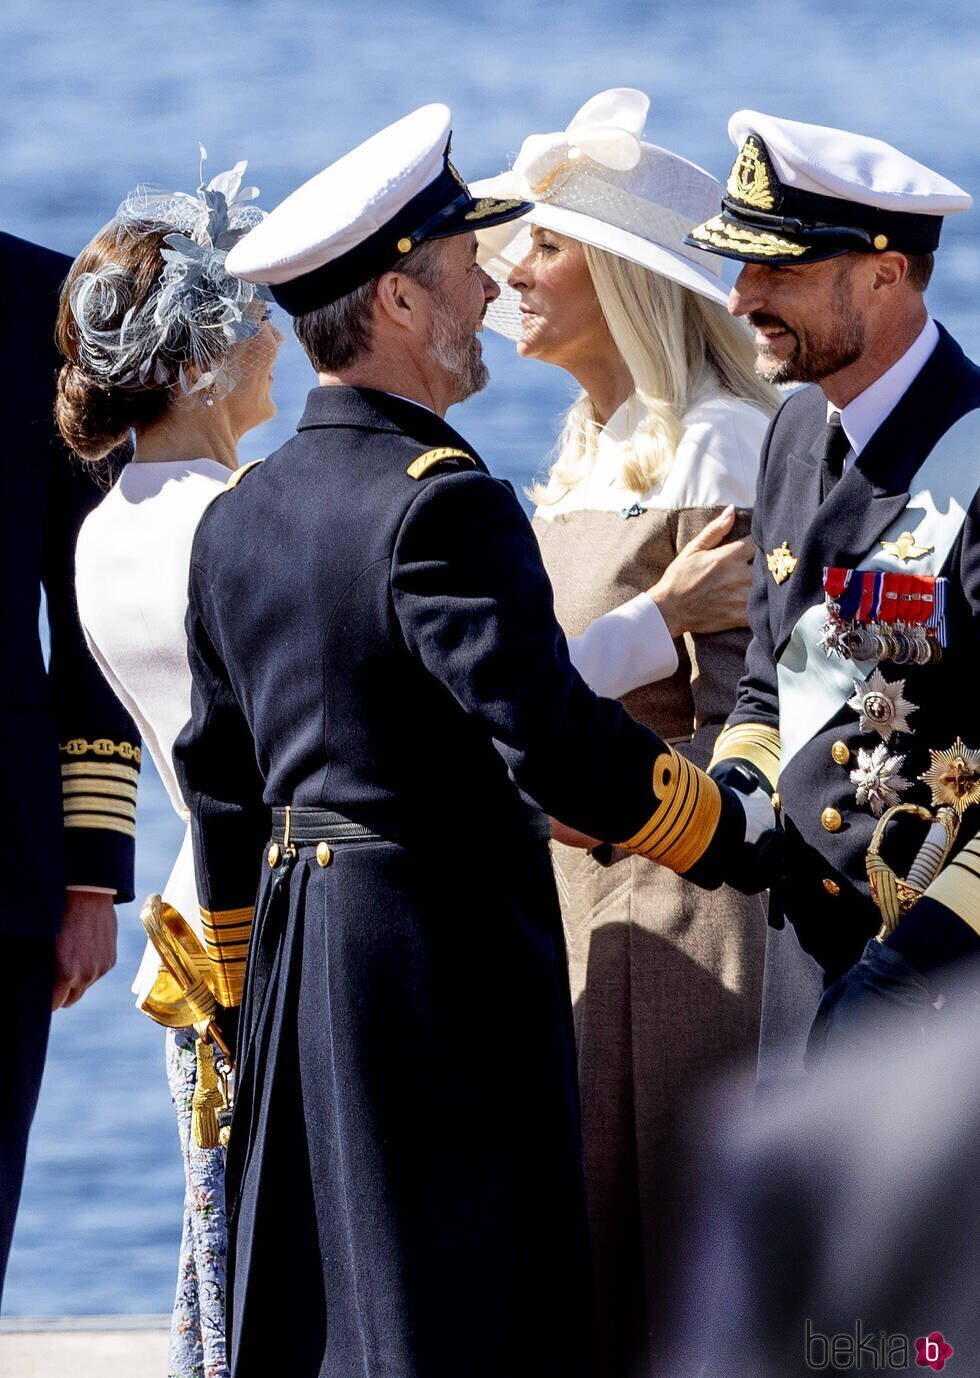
882	991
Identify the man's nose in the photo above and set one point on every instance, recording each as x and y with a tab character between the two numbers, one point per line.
491	289
748	293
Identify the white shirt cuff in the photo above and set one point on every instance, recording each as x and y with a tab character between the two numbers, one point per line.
624	649
92	889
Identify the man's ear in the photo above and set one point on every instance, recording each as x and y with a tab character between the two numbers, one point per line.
891	270
402	300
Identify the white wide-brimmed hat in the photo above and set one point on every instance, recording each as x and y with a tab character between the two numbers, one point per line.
599	183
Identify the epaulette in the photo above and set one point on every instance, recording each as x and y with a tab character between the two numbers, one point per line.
239	474
427	462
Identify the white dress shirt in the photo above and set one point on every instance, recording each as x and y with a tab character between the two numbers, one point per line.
862	417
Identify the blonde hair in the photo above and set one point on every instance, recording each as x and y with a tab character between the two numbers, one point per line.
678	346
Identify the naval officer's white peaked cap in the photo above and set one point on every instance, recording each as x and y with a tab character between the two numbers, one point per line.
831	162
359	216
798	193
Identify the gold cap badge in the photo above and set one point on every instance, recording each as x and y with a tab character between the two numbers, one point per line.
751	180
781	563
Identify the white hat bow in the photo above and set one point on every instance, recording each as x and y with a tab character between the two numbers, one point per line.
606	129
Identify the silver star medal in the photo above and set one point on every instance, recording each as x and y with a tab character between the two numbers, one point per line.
877	779
882	706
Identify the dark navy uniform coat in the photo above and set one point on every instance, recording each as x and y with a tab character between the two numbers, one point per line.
405	1191
825	895
54	719
62	727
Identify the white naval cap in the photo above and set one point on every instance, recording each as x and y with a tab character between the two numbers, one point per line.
798	193
359	216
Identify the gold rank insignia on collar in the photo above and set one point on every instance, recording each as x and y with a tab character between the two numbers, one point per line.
906	547
781	563
421	466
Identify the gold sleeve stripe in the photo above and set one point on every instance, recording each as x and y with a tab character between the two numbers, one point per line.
684	822
665	820
226	938
94	803
110	789
958	886
100	821
106	769
225	918
753	742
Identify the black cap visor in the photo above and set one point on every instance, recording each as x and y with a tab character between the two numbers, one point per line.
733	237
806	236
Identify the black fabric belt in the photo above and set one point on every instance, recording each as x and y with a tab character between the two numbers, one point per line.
309	826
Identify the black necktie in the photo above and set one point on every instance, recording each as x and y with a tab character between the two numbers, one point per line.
834	445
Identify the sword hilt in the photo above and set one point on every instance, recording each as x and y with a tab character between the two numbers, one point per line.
894	895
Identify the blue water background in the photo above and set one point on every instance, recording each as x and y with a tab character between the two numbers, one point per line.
97	96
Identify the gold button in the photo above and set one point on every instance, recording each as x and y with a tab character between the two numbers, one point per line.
881	241
831	887
404	245
273	854
831	820
840	753
775	801
323	854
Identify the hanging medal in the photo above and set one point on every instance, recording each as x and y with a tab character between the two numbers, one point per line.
883	615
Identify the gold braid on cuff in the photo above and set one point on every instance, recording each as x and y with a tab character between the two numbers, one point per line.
226	935
752	742
688	808
100	795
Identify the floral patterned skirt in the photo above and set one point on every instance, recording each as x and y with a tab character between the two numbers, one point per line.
197	1331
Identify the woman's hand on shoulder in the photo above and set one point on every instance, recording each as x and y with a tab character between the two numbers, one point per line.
705	588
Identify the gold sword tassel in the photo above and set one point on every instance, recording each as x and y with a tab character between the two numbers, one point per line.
207	1100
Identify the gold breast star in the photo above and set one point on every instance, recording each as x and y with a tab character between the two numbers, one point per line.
781	563
954	776
906	547
882	706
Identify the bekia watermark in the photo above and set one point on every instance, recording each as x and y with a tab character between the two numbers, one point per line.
857	1350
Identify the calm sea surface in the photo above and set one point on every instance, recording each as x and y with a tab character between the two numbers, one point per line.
97	96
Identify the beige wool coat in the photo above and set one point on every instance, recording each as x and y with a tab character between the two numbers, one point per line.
666	978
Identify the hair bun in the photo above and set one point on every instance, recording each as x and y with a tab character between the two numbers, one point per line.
92	419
